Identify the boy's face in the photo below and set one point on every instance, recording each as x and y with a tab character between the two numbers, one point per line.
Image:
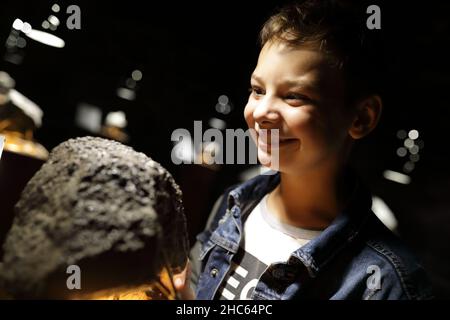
298	92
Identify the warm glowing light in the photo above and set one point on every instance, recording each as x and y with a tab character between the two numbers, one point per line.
136	75
53	20
21	42
116	119
401	152
55	8
26	28
397	177
46	38
223	100
18	24
217	123
126	93
414	149
88	117
413	134
409	143
384	213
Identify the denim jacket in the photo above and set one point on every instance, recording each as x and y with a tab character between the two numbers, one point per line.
356	257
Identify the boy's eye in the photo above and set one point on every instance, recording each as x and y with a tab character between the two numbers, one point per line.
256	91
296	98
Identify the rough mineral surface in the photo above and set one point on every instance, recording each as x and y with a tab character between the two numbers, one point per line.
93	196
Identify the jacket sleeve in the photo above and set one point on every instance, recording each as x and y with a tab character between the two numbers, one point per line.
196	249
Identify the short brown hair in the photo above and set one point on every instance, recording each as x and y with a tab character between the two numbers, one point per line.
335	27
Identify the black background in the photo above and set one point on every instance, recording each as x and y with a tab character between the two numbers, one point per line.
192	52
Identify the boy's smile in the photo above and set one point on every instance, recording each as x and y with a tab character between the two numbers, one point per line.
298	92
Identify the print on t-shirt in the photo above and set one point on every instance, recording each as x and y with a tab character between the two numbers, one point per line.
266	241
242	278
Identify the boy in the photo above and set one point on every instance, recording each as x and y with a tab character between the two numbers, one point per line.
308	231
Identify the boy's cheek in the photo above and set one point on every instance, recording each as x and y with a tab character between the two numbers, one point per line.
248	116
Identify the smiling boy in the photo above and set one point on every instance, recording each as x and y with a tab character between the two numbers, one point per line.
308	231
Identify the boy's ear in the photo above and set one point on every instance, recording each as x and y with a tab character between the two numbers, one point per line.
368	112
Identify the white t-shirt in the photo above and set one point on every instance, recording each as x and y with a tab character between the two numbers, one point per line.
266	241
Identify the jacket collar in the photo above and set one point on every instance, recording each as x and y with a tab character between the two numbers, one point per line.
252	191
319	251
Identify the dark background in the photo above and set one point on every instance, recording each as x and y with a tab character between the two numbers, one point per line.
191	53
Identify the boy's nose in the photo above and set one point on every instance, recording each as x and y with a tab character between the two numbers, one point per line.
265	112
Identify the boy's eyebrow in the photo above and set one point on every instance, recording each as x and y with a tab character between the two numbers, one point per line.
302	84
255	77
289	83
